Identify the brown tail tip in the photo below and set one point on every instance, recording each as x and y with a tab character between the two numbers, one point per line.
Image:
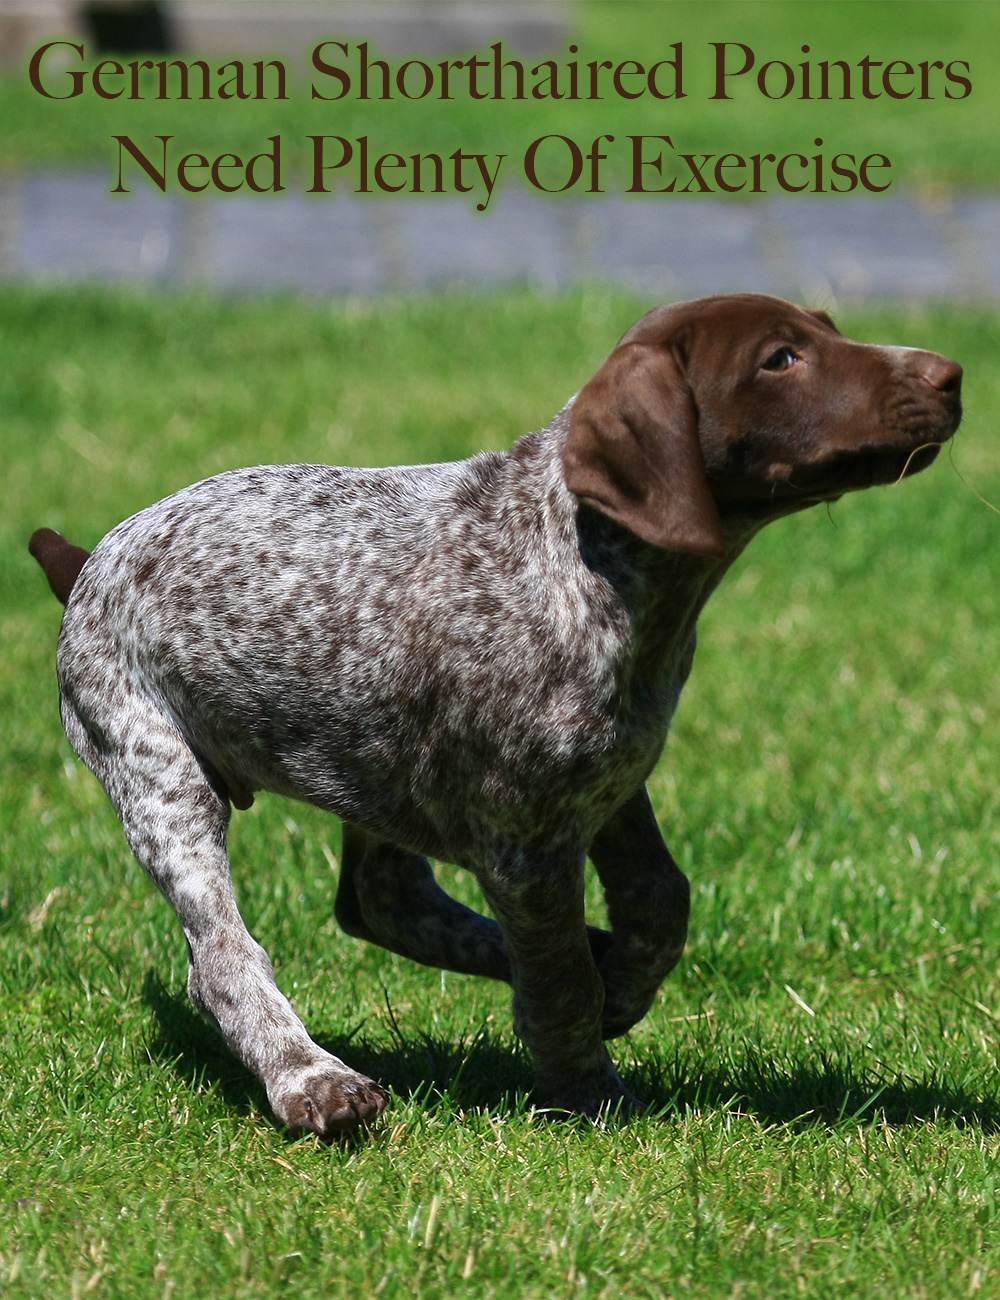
61	560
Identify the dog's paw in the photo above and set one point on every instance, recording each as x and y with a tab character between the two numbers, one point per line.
328	1101
597	1097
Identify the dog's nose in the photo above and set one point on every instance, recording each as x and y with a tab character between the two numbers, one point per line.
942	374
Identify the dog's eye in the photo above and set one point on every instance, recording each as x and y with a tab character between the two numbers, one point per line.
780	360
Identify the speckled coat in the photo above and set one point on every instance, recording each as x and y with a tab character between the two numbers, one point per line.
476	662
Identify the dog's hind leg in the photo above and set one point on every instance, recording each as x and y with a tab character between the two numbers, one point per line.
176	822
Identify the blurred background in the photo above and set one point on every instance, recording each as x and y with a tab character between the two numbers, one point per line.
934	235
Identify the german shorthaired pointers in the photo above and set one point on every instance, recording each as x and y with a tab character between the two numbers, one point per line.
476	662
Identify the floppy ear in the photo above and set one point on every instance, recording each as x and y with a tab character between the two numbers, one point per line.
633	453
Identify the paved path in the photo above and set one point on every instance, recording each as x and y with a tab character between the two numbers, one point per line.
66	227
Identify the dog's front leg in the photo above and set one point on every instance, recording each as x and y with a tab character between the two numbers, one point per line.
537	897
389	896
649	901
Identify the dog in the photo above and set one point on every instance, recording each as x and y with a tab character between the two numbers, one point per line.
475	662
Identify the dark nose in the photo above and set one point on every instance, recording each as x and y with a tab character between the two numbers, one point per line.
942	374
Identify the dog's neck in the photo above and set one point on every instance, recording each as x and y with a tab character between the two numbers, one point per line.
654	596
667	592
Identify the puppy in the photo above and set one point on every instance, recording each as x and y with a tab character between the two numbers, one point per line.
476	662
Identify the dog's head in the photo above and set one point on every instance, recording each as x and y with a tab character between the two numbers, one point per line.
749	408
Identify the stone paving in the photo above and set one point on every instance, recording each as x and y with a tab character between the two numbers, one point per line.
66	227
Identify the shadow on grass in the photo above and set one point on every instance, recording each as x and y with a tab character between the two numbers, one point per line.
809	1092
194	1050
479	1073
474	1073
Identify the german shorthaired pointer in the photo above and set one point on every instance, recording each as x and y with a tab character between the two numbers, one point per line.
476	662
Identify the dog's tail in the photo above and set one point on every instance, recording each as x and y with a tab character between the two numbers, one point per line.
61	560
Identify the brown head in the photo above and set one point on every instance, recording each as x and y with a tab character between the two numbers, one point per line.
744	408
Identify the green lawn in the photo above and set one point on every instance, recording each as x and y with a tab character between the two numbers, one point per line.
822	1067
935	143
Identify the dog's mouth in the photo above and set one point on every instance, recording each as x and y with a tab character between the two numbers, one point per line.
853	469
879	463
795	488
878	467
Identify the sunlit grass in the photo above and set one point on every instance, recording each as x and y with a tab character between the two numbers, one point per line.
822	1067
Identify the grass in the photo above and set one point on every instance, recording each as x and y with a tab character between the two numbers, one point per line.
933	144
822	1068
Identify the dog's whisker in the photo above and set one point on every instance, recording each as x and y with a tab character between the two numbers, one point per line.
915	452
965	482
